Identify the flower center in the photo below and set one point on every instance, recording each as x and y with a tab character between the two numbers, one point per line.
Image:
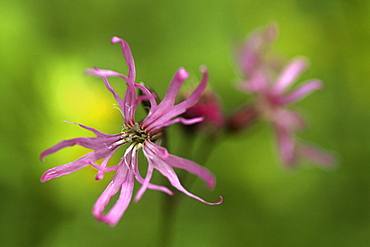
138	135
133	134
267	106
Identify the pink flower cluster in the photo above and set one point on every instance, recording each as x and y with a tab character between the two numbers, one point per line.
135	135
270	83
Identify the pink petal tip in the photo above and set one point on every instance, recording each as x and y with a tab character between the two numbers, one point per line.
182	74
204	69
115	40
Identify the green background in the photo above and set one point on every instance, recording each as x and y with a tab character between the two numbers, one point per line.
45	47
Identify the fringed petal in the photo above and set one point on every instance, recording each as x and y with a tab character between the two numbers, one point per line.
301	92
164	167
193	168
149	95
105	73
96	132
103	168
128	57
184	121
106	150
95	143
167	104
197	93
129	104
63	169
101	73
253	52
173	89
100	174
321	157
149	185
289	75
164	112
182	163
145	183
124	181
286	145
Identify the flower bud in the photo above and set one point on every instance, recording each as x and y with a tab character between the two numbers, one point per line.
208	107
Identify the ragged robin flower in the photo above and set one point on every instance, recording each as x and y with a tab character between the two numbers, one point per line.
269	81
135	135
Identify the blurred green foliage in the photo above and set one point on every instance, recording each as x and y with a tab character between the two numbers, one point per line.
45	46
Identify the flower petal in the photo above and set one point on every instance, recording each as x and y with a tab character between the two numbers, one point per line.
145	184
286	145
173	89
129	104
197	93
100	174
102	140
169	100
105	73
124	180
149	95
164	167
184	121
194	168
289	75
168	172
253	52
103	168
128	57
301	92
149	185
64	169
317	155
182	163
87	142
165	111
104	152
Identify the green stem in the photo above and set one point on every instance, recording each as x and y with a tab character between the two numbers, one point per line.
168	219
170	203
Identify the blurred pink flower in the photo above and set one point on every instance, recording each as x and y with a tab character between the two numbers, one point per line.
209	108
270	82
143	135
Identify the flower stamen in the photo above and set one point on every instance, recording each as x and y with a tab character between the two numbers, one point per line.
133	134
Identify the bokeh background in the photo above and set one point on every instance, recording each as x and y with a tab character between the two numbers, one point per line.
45	46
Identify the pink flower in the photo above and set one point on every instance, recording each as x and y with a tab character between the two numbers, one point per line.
271	85
254	54
209	108
143	135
